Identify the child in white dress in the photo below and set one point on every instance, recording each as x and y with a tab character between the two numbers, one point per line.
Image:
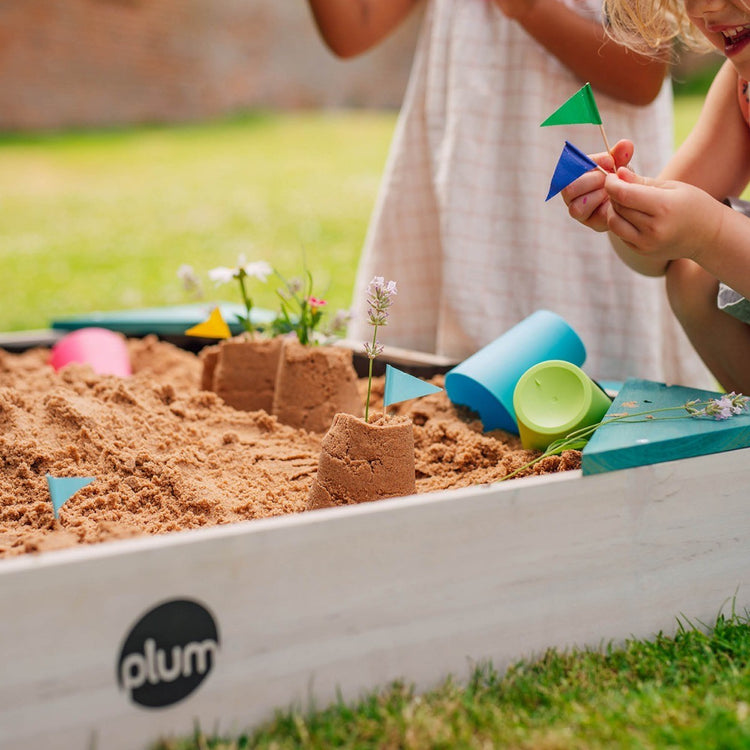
461	223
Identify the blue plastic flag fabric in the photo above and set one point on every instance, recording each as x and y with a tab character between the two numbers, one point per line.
63	488
570	166
400	386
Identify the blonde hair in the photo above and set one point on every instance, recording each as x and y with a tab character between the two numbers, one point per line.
651	27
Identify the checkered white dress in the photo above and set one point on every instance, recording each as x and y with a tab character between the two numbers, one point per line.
461	223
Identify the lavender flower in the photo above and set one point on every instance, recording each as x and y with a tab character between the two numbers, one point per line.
373	350
719	408
380	296
379	299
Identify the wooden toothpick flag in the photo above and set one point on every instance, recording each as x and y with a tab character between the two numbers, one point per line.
213	328
579	109
63	488
570	166
400	386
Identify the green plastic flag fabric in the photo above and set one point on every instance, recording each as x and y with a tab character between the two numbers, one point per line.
580	108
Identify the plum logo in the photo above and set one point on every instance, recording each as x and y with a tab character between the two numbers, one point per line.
168	653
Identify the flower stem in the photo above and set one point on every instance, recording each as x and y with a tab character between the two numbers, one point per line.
369	375
248	305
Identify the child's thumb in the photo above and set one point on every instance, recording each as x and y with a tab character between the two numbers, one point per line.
622	153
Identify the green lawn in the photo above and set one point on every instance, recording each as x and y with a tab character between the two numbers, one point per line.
102	221
687	692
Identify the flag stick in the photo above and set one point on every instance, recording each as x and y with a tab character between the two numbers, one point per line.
606	142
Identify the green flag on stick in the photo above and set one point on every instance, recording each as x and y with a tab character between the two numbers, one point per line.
579	109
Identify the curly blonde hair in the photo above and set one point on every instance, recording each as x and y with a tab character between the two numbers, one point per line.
651	27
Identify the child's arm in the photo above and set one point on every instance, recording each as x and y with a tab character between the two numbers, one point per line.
582	45
679	215
716	154
350	27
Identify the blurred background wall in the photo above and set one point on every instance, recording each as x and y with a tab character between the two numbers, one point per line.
66	63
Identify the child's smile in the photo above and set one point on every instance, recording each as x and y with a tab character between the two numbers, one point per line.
735	39
727	26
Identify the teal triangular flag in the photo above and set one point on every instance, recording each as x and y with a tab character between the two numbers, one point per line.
63	488
400	386
570	166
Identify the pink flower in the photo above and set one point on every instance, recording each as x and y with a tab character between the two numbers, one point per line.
316	302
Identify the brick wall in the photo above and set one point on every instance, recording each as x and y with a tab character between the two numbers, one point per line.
70	63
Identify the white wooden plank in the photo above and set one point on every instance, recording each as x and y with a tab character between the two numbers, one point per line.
352	598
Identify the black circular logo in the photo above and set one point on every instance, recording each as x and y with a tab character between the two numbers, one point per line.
168	653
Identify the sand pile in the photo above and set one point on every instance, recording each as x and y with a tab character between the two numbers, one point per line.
168	456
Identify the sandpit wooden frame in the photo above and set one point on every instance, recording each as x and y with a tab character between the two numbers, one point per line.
342	600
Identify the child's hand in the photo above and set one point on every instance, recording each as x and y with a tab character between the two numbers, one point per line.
586	197
662	220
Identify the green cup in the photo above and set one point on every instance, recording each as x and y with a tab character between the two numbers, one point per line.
554	398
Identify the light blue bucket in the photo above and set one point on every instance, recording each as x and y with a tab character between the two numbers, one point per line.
485	381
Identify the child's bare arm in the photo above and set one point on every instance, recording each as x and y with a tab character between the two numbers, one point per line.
582	45
679	215
350	27
716	154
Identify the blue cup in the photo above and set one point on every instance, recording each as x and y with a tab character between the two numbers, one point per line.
485	381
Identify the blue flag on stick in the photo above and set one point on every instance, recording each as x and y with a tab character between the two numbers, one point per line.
400	386
570	166
63	488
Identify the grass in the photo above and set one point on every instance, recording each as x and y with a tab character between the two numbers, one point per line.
102	220
690	691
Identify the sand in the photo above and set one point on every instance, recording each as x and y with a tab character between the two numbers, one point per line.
167	456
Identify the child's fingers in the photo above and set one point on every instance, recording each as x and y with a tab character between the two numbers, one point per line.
585	198
629	190
628	224
586	183
583	207
604	160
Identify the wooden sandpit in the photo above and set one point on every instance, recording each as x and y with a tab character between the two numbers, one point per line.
254	605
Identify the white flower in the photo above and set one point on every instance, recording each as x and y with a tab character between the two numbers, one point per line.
222	274
258	269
